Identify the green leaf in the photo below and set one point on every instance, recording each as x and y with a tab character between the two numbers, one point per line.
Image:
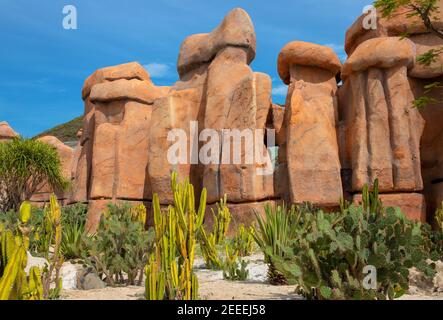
326	292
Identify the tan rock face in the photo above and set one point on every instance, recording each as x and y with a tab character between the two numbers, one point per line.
311	146
328	137
382	53
128	71
232	104
382	129
424	43
411	204
66	155
306	54
6	132
236	30
112	156
397	25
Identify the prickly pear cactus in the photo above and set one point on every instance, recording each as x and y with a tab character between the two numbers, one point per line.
330	254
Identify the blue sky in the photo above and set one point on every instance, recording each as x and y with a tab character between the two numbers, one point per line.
43	66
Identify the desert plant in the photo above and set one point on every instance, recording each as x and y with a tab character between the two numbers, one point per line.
25	165
14	283
52	238
275	231
169	274
243	241
222	220
209	250
434	236
120	246
234	268
209	243
73	220
439	218
330	252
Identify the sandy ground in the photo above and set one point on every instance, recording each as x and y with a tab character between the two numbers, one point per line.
214	287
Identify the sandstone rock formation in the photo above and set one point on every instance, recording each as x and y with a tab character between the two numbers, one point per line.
111	158
6	132
383	131
310	150
217	91
427	158
332	138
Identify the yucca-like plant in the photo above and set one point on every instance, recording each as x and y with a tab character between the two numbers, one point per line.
26	164
73	231
14	283
275	232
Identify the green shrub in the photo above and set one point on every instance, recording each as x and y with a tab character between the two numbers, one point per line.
243	241
24	165
169	273
120	247
434	237
234	268
275	232
328	254
222	220
211	243
74	222
209	250
11	221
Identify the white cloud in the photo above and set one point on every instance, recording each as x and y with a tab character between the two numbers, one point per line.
280	90
158	70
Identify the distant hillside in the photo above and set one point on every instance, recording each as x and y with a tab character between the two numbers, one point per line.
66	132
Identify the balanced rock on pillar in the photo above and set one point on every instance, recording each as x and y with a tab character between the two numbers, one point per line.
383	130
311	149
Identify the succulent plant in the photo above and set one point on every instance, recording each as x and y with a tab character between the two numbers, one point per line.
14	283
169	274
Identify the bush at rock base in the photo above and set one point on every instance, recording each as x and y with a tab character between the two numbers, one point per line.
119	250
327	253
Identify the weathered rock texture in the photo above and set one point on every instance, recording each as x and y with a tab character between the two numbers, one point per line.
217	90
382	135
66	155
382	130
111	159
310	149
332	139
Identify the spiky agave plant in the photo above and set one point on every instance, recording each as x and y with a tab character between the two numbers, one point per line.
275	231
